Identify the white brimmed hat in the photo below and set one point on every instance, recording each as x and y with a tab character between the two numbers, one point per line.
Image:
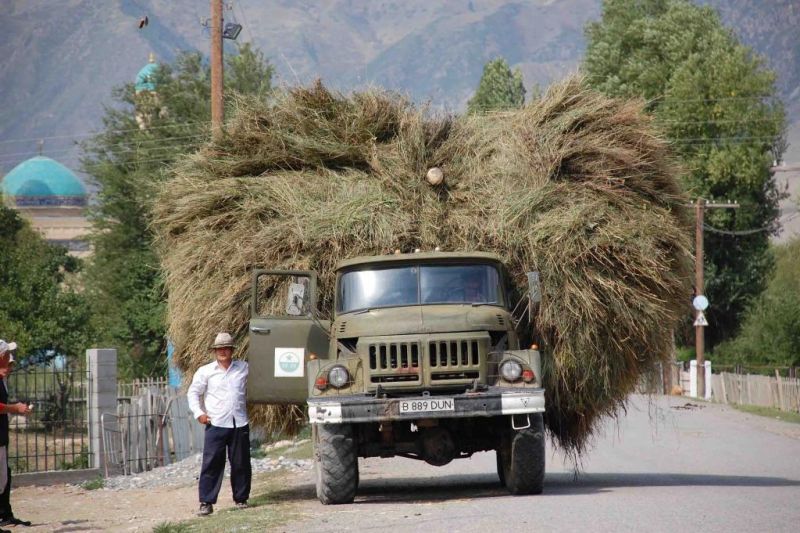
223	340
7	347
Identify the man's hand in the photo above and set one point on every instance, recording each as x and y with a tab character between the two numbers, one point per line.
19	409
203	419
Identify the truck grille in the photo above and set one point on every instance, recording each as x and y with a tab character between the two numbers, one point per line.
445	354
440	360
393	355
454	360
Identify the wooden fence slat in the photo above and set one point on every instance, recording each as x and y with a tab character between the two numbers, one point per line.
780	390
751	389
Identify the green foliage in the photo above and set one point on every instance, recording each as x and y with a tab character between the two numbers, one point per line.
127	162
171	527
41	305
786	416
717	103
94	484
770	333
499	88
79	462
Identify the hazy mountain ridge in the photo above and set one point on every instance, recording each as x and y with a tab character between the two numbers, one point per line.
63	58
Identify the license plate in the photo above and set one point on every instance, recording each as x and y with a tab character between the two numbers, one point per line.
426	405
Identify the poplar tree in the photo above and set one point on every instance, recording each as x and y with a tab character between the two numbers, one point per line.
717	103
498	89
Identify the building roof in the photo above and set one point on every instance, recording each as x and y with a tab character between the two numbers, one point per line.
42	177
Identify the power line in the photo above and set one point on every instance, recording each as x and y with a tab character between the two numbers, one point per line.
104	132
735	140
719	121
244	19
666	98
735	233
133	144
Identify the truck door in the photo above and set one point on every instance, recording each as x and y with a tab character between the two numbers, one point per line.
283	334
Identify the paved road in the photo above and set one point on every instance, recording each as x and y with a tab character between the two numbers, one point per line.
665	466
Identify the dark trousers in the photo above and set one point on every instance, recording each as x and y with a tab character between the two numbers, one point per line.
5	498
236	441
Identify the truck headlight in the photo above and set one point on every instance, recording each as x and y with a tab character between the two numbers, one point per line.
510	370
338	376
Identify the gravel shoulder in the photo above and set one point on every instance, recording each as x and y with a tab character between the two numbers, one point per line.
165	495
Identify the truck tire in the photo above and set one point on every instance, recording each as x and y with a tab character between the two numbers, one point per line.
336	463
500	473
521	458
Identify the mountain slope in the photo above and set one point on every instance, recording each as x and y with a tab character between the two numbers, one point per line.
61	59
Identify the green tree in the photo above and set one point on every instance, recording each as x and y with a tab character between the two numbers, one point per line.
142	136
717	104
41	306
499	88
770	332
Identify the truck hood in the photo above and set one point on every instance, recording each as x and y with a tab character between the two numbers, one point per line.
422	320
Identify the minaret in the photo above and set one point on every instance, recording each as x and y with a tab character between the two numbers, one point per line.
147	103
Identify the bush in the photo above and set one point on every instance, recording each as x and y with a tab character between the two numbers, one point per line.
770	334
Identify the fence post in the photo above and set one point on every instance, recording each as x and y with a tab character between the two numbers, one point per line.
102	366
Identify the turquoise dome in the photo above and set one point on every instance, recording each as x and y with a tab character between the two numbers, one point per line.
43	181
145	80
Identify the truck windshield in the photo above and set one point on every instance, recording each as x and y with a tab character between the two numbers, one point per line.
418	285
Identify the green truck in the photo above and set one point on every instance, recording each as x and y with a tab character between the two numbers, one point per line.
420	358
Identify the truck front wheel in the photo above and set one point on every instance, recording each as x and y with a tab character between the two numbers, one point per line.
336	463
521	458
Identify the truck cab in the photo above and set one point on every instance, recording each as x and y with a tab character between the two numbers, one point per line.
420	359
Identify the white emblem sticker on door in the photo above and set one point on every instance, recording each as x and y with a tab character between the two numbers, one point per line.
289	362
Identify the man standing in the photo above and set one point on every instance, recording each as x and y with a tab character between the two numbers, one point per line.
6	362
217	398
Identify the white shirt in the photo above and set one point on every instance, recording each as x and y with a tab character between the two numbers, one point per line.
220	393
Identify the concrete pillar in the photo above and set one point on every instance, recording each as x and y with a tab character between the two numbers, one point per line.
693	379
102	366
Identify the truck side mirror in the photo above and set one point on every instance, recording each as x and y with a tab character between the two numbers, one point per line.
283	293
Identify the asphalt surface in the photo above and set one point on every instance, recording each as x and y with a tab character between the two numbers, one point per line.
667	465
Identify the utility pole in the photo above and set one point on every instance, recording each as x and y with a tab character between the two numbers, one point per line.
217	109
700	207
699	283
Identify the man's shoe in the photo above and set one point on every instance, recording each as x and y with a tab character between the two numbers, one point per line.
205	509
14	521
242	505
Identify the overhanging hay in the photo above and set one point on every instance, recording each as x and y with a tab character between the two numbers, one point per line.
576	186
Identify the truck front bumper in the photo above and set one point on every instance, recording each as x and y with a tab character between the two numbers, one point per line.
356	409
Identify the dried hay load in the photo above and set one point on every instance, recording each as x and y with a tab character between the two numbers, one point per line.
575	185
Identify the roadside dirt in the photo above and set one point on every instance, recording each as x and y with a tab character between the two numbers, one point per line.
61	508
67	508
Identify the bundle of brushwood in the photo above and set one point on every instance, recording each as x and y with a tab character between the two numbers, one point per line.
577	186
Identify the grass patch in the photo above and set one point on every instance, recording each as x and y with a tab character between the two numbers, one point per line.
272	505
769	412
257	453
171	527
302	450
94	484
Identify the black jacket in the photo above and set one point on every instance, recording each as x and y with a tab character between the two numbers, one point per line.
4	416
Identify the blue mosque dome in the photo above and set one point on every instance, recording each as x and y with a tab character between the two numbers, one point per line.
41	181
145	79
